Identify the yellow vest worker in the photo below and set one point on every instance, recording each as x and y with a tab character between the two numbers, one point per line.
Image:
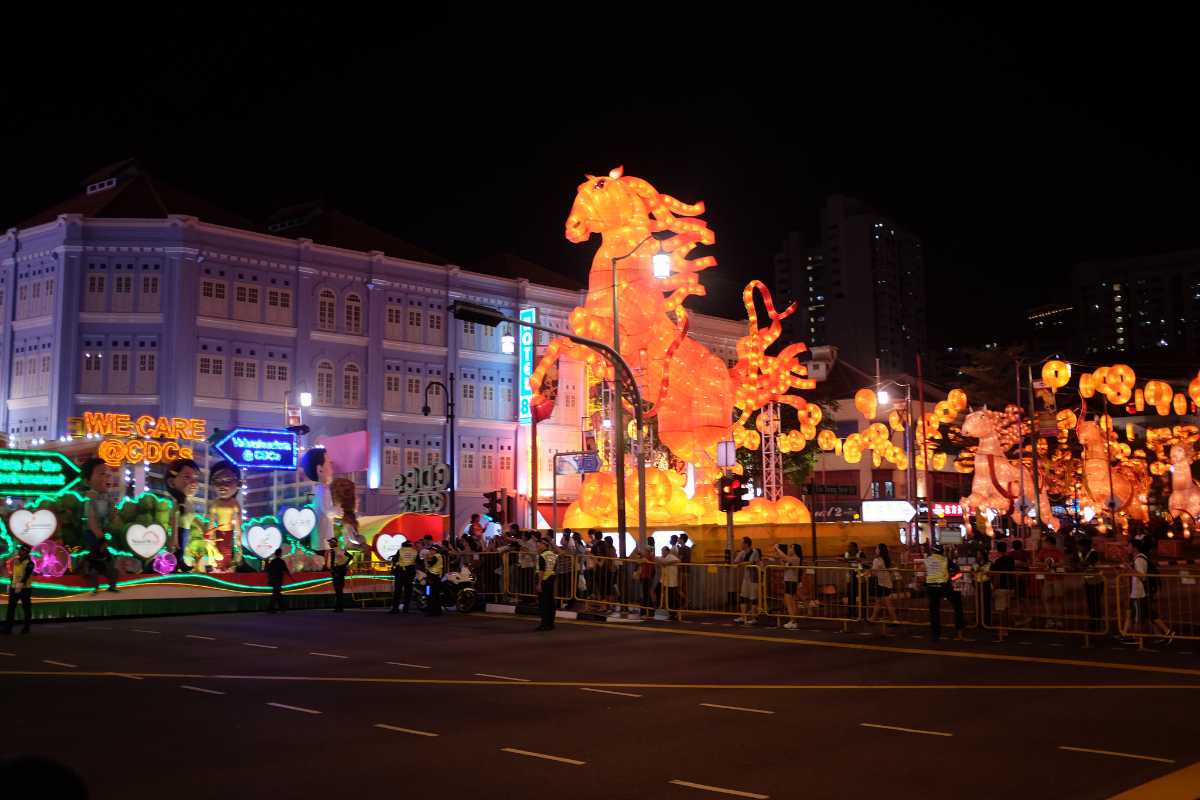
404	565
433	582
937	586
937	569
547	604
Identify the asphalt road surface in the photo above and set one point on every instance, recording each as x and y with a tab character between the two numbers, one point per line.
317	704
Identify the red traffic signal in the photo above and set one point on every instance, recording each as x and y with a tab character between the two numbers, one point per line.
731	494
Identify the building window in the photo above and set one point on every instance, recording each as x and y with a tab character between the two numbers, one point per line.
489	394
414	319
468	391
486	462
325	383
147	362
391	456
412	457
326	310
505	463
435	322
120	362
432	457
91	363
211	290
350	385
353	314
123	284
149	284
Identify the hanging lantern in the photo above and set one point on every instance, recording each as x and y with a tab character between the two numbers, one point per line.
1193	390
1139	400
1159	394
1056	374
958	399
1180	403
1129	431
826	439
866	402
1087	385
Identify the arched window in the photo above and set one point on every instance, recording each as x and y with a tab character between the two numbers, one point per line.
353	314
351	385
324	383
326	310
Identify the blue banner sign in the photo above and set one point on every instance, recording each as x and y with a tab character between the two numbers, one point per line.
256	448
525	366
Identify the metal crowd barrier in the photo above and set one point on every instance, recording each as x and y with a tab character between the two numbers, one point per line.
1044	602
613	584
816	592
721	589
520	580
1168	607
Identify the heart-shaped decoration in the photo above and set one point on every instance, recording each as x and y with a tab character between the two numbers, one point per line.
263	542
33	527
299	522
146	540
388	544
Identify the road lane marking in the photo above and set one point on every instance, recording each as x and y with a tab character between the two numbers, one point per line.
294	708
263	646
903	730
706	788
5	653
197	636
1118	755
607	691
404	730
402	664
501	677
532	754
143	630
792	641
199	689
328	655
737	708
60	663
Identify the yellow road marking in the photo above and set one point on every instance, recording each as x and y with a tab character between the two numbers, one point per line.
706	788
615	685
1183	784
902	730
737	708
404	730
881	648
607	691
1118	755
531	754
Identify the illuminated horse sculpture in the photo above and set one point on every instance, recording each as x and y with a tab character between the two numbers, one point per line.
1103	481
997	481
1185	494
691	391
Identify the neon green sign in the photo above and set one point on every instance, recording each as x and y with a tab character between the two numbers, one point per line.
34	472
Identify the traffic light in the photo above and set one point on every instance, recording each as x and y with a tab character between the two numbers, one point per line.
493	507
731	494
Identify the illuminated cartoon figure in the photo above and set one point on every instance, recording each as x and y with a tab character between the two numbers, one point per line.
318	468
997	482
224	517
1124	485
691	391
1185	494
183	481
345	497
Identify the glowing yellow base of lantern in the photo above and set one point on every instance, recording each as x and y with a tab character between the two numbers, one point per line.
667	504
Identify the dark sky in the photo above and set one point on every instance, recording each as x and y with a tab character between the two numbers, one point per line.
1014	144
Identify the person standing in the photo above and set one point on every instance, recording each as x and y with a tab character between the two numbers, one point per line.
337	561
685	560
1087	561
853	559
882	585
20	590
276	570
939	583
547	578
1002	580
645	577
748	557
99	561
669	563
1143	594
435	564
404	568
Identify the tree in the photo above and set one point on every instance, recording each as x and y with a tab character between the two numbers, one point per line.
991	376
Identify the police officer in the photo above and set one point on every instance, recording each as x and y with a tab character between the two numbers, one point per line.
435	564
404	568
939	584
337	561
547	579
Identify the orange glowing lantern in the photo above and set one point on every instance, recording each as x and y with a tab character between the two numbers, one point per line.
1159	395
958	399
826	439
1193	390
866	402
1180	402
1139	400
895	421
1087	385
1056	374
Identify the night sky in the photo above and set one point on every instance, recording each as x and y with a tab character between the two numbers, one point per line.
1014	145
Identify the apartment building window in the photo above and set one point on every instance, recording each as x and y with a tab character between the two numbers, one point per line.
391	393
394	322
351	385
326	310
118	372
212	298
325	383
353	314
279	306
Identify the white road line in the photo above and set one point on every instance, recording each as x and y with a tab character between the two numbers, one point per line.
59	663
199	689
263	646
205	638
500	677
404	730
608	691
1118	755
706	788
143	630
294	708
735	708
3	653
328	655
532	754
402	664
903	730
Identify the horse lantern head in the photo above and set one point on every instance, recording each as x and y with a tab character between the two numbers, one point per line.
601	204
978	423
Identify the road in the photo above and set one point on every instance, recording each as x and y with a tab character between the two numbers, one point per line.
312	704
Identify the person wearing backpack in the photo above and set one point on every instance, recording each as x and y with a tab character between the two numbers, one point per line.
748	557
1143	593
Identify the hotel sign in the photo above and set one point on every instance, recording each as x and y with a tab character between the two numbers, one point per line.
525	357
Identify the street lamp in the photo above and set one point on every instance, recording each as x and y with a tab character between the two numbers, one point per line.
490	317
306	399
661	263
883	398
425	409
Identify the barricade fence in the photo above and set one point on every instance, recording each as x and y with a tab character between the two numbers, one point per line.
721	589
1157	605
813	592
1044	601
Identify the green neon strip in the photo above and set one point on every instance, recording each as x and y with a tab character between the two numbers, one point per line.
195	579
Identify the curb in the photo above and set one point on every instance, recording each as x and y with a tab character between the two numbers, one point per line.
532	611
